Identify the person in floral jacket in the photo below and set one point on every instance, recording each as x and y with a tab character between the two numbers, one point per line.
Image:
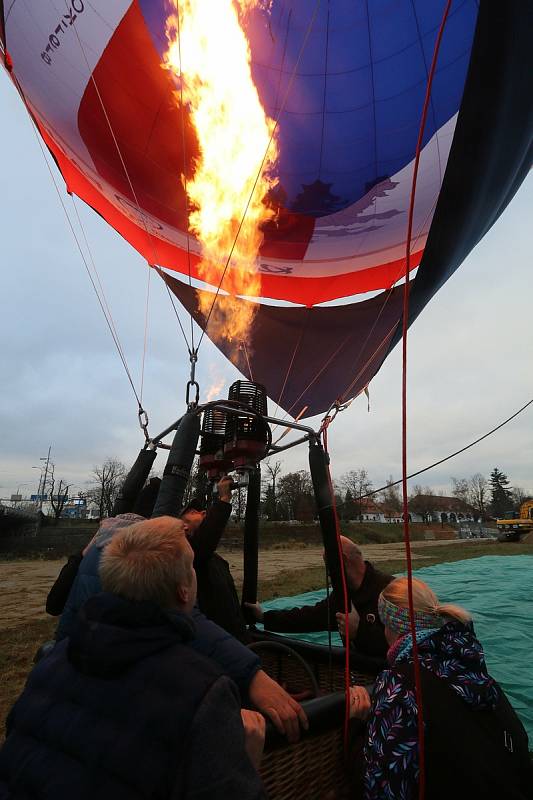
474	743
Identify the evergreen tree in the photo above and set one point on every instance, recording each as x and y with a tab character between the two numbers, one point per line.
501	495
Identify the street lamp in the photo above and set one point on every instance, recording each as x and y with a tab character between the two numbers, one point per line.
40	481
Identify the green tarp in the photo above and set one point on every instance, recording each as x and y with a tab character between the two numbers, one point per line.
498	591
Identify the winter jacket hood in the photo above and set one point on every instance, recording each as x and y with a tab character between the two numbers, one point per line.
110	525
453	654
114	633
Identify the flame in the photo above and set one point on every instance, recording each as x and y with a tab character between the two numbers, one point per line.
209	54
215	390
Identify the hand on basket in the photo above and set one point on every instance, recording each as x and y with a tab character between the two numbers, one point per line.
359	703
353	624
254	735
256	611
286	714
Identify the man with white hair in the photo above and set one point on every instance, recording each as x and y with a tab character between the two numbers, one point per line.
125	708
364	584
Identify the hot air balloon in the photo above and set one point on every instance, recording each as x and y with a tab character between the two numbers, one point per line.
343	87
346	84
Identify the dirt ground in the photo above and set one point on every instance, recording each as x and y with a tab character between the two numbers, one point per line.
25	584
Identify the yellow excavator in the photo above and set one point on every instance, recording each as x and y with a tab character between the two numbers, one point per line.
512	527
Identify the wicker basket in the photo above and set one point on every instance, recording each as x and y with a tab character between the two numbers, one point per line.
312	769
288	672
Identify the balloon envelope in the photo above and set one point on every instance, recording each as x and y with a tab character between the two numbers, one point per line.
347	83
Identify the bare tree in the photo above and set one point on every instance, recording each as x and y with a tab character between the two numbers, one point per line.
108	479
391	496
270	500
238	503
520	496
358	483
198	485
58	500
478	493
461	489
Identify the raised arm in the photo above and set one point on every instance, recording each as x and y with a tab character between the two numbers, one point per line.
206	539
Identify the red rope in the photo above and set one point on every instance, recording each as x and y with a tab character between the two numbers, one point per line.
407	539
325	426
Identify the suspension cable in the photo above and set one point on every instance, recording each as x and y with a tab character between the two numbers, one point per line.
150	238
145	338
340	400
162	276
101	302
184	150
344	585
96	273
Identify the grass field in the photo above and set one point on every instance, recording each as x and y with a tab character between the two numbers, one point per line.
20	639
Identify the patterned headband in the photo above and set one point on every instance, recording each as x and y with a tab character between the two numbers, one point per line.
397	618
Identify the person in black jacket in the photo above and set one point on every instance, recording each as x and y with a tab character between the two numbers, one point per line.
217	595
125	708
364	583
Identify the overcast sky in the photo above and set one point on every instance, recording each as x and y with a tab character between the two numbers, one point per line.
470	352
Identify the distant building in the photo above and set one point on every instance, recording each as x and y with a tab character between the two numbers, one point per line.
437	508
379	512
426	508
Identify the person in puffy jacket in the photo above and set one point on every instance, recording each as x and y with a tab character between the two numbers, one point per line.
125	707
240	663
475	745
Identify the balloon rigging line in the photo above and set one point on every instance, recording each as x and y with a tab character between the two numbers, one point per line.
276	121
324	93
379	346
184	150
245	350
289	368
173	304
102	305
115	142
433	115
344	586
405	326
95	270
285	43
150	237
342	398
145	341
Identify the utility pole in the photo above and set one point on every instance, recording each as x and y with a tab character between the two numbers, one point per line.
42	490
45	477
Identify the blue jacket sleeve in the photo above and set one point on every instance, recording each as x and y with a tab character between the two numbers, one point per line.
235	660
86	583
391	750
